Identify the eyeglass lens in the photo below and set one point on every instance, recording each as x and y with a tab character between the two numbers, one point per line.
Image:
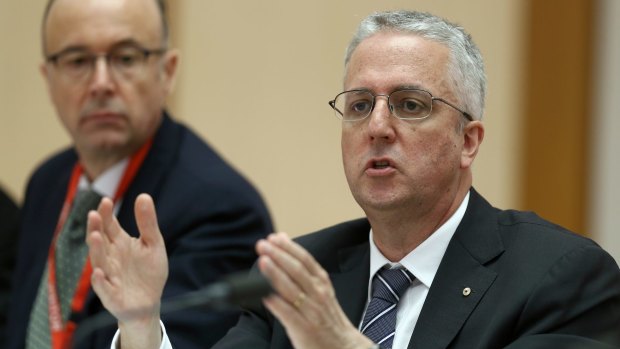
404	104
124	61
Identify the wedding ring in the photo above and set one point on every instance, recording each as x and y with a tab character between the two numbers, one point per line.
300	300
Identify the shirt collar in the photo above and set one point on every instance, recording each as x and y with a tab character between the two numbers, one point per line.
424	260
107	183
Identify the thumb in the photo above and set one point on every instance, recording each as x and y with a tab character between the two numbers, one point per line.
146	219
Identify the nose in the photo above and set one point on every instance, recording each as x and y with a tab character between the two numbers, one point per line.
102	82
380	123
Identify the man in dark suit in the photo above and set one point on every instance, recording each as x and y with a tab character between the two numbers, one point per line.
433	264
109	71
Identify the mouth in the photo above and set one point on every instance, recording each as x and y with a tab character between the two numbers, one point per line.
379	166
101	113
102	116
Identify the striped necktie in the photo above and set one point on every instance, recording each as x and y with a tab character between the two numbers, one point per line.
379	323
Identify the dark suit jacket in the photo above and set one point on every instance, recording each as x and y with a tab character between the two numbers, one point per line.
209	215
9	217
534	285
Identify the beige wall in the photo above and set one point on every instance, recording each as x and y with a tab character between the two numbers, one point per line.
255	81
29	130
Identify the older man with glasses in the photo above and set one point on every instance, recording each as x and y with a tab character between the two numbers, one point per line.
109	69
432	265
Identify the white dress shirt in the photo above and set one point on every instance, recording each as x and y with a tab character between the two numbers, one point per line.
422	262
107	183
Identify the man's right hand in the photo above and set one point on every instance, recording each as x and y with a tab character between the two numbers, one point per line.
129	273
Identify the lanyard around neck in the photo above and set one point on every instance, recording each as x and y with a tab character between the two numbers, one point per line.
62	333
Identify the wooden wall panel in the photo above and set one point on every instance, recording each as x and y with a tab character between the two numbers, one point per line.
557	110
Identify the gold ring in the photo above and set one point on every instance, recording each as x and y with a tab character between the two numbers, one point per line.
300	300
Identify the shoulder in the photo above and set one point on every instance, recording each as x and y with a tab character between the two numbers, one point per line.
558	273
330	240
523	234
520	244
518	227
540	253
196	158
191	182
191	167
52	169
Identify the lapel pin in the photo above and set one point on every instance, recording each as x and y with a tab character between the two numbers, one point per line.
466	291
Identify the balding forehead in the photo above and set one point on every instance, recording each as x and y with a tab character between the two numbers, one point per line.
53	6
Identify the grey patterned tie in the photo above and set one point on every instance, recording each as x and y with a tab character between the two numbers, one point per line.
71	253
379	323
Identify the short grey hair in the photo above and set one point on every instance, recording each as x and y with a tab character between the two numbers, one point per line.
466	67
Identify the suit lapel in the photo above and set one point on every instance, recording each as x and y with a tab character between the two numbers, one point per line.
147	180
152	172
448	304
355	268
447	307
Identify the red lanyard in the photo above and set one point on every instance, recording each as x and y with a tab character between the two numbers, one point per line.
61	334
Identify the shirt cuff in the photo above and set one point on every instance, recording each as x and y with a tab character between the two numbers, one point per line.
165	341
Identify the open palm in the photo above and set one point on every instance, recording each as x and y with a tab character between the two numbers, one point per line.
128	273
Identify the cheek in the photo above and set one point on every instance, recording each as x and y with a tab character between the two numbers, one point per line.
140	98
62	96
432	153
148	94
67	102
349	144
350	153
446	156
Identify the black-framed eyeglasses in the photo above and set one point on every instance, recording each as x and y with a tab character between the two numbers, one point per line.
125	61
405	104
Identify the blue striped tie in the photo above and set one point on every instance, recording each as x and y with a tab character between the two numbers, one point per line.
379	322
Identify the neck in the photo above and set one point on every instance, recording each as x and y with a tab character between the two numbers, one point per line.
396	233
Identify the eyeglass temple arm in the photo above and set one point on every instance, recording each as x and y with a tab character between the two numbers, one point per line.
464	113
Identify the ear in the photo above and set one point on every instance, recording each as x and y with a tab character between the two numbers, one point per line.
169	70
44	70
473	134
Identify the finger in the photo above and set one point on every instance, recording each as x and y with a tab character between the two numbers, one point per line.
293	270
280	280
97	251
146	219
284	312
305	296
111	228
298	264
93	222
103	288
98	281
299	253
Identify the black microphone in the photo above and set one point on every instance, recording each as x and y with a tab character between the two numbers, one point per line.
236	290
241	289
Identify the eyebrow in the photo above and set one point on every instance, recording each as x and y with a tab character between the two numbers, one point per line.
84	48
399	87
410	87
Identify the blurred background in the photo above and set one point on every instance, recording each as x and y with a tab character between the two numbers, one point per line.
256	77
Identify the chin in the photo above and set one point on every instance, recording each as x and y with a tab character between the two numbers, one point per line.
379	202
107	145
